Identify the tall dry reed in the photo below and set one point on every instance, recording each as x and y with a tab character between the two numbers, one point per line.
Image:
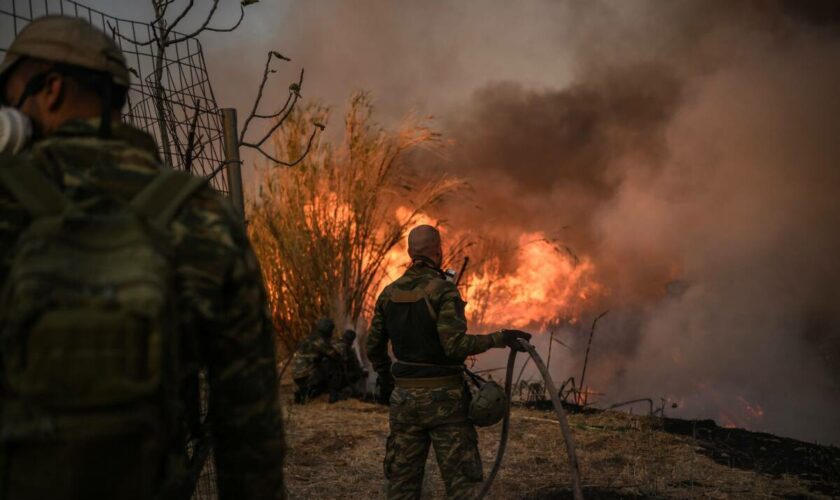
323	230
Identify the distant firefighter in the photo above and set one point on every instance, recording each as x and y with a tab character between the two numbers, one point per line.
348	372
422	315
314	362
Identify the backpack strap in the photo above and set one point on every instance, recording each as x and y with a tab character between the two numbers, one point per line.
418	294
161	199
432	288
32	189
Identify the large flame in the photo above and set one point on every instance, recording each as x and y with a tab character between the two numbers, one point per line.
546	283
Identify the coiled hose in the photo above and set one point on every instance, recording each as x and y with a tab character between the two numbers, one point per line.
577	490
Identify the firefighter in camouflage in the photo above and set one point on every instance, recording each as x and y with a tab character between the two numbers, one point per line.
422	315
70	80
314	361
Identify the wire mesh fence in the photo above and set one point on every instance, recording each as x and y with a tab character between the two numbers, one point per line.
187	125
186	122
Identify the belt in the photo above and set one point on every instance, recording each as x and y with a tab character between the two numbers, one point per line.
429	382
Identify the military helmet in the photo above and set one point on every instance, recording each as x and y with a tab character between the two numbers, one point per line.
489	405
71	41
325	326
349	335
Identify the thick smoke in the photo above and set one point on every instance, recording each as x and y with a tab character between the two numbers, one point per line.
689	148
709	196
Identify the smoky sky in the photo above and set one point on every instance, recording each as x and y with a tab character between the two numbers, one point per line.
709	162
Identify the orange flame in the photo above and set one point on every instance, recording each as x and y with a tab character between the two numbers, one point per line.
545	285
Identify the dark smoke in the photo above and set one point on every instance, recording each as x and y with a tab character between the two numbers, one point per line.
703	178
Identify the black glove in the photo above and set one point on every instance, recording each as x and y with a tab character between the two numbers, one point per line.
511	339
385	382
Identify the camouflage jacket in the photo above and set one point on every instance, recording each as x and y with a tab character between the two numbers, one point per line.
450	323
222	302
312	351
350	366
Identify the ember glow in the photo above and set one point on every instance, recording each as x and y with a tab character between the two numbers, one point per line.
545	285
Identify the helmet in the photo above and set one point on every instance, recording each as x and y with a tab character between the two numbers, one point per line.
71	41
489	405
325	326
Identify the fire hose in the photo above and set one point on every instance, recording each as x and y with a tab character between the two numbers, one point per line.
577	490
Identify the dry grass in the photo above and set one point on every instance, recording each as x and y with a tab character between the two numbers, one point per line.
336	452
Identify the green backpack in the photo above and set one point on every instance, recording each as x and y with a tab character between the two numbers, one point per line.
89	346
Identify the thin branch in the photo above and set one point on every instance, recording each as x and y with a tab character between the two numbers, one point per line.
227	30
260	89
586	357
561	343
191	138
318	126
198	31
160	9
219	168
282	109
180	17
124	38
294	90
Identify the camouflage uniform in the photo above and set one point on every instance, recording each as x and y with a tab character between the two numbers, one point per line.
351	369
311	365
346	373
222	303
435	415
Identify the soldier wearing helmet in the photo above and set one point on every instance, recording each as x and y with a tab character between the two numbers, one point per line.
422	315
58	69
348	373
314	361
68	81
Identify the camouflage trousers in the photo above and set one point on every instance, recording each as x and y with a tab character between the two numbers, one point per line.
436	417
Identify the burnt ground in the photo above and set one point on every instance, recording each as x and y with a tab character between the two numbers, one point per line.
763	453
335	451
758	452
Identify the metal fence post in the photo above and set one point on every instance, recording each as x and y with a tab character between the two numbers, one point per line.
234	166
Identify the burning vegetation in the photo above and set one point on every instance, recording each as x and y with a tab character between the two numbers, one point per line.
686	182
324	230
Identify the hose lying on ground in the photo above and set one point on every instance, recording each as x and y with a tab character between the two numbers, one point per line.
577	490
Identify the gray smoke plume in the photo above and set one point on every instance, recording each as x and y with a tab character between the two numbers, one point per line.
703	176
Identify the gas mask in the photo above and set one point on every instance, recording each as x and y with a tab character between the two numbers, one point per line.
15	130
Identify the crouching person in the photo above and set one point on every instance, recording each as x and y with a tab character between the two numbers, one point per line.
314	361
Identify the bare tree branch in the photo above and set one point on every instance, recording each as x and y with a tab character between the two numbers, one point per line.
160	9
198	31
586	357
318	126
282	119
219	168
191	143
227	30
180	17
293	91
124	38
